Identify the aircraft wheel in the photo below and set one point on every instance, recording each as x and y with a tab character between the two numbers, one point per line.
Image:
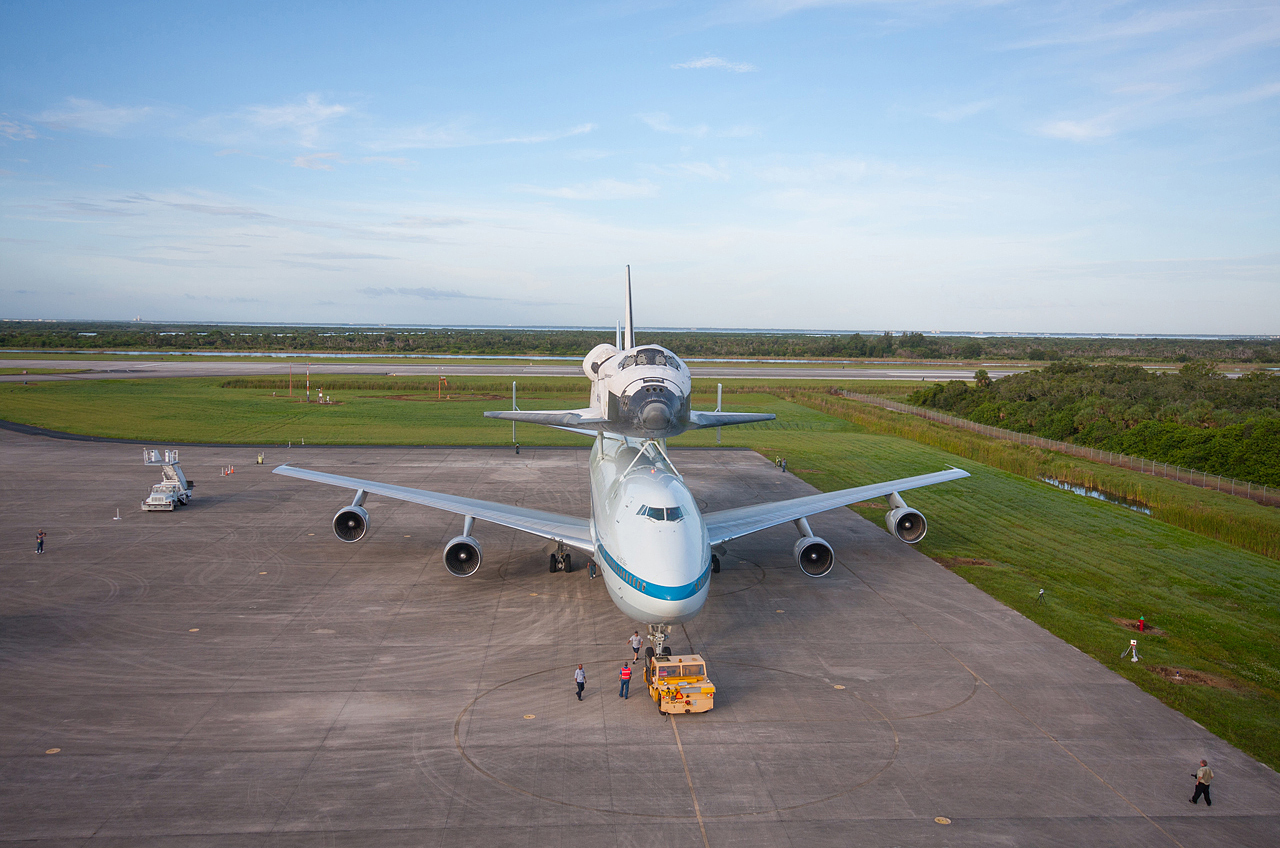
553	563
648	654
568	563
715	564
666	650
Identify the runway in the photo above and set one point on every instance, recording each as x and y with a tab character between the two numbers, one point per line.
232	674
105	369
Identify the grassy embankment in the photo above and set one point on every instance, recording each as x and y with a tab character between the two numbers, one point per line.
1214	604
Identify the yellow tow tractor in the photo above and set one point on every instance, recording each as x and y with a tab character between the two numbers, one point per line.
679	684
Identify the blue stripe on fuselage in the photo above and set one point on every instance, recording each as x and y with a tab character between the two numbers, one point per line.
653	590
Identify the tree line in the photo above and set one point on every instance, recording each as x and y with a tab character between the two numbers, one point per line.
90	336
1195	418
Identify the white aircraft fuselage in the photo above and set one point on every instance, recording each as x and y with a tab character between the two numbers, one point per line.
650	540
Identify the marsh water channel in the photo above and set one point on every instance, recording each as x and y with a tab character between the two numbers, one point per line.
1098	494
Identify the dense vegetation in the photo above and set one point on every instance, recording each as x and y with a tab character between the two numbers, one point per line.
1196	418
86	336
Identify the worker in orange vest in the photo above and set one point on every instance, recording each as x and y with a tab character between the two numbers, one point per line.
624	676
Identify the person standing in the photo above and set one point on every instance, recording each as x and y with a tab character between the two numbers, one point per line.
40	542
635	642
624	676
1204	776
580	677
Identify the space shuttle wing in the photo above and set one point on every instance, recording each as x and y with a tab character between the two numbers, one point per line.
572	531
732	523
703	420
551	418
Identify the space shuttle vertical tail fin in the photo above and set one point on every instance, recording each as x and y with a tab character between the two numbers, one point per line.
629	339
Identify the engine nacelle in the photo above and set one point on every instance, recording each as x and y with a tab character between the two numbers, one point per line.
462	556
814	556
351	523
905	523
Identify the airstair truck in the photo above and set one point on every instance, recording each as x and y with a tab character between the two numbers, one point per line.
174	490
679	684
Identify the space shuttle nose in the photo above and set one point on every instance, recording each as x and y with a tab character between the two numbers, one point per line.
656	415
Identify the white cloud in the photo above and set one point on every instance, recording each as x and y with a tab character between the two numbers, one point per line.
661	122
598	190
393	161
538	139
459	134
697	169
317	161
79	114
1088	129
717	62
15	131
965	110
305	118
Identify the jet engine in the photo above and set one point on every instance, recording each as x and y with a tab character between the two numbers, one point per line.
462	556
351	523
903	521
814	556
907	524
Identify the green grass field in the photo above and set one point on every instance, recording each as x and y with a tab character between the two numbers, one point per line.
1213	602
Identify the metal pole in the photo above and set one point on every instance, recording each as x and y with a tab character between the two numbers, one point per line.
719	397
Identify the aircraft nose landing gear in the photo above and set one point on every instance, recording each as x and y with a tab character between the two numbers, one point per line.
658	634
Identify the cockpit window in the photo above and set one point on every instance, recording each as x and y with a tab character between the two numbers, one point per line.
659	513
650	356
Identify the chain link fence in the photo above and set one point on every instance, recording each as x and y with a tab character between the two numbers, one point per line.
1269	495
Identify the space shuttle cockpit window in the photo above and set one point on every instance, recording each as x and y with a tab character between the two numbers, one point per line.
654	356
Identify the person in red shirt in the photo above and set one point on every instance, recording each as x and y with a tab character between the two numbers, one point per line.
624	676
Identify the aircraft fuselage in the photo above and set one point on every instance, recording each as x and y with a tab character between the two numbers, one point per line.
651	543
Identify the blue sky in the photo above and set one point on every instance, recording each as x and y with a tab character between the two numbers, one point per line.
964	166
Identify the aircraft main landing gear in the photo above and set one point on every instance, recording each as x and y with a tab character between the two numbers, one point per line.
561	560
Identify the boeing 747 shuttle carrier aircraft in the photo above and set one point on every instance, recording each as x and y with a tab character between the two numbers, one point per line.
657	552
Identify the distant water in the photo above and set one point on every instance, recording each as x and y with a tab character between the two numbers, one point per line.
1098	494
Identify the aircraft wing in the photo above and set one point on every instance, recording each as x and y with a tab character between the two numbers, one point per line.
561	418
575	532
703	420
732	523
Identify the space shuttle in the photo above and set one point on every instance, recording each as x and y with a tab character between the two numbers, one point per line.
640	391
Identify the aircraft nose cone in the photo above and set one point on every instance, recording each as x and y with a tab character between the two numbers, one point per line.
656	415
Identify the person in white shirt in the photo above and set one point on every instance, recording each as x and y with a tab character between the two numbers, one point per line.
580	677
636	642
